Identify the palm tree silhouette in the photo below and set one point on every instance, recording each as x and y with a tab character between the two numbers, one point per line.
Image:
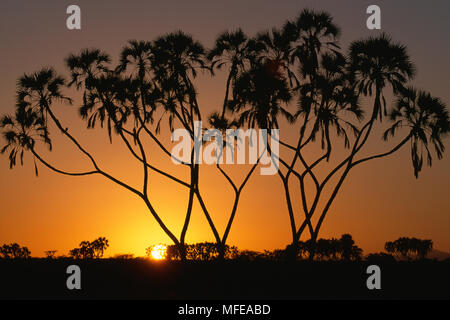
233	49
90	69
35	94
260	98
243	55
428	120
334	100
312	33
85	67
376	63
275	47
138	54
300	44
176	58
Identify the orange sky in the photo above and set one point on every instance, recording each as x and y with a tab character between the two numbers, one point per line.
380	201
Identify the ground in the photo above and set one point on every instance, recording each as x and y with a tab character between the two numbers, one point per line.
144	279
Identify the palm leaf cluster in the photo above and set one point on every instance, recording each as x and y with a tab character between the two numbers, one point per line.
36	92
428	121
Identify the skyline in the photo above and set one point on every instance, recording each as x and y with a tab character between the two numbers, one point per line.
404	207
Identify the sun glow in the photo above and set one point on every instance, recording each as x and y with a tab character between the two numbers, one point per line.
159	252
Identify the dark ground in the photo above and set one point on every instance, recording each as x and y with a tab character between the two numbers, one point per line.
142	279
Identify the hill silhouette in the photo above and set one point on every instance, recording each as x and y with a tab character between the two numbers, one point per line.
439	255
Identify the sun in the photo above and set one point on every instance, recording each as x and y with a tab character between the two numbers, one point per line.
159	252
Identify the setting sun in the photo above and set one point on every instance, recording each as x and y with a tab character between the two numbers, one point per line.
159	252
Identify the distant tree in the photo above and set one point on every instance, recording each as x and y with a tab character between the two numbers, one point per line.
90	250
409	248
424	248
99	246
75	253
330	249
348	249
86	250
14	251
398	247
50	254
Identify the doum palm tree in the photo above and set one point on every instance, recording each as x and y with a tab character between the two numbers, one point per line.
374	64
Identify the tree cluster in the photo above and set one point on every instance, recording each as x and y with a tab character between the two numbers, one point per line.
90	249
204	251
331	249
296	75
409	248
14	251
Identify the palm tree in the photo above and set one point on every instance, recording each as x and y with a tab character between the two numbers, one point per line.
176	58
99	245
112	97
428	120
21	132
138	55
278	49
86	66
35	94
312	34
261	97
90	69
39	90
232	49
376	63
334	100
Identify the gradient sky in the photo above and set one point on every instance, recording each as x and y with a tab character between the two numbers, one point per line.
380	201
